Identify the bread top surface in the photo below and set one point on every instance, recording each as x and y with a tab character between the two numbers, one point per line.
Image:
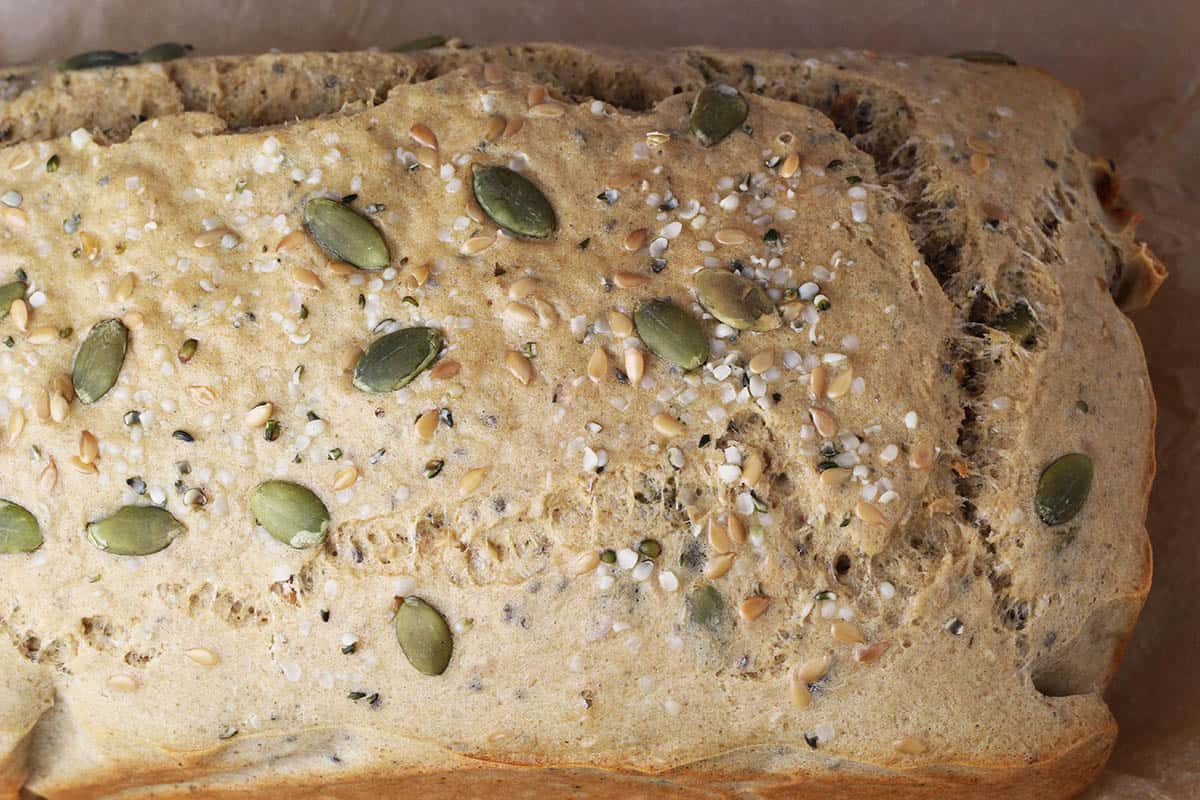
987	635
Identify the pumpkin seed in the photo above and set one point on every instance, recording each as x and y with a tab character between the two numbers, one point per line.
1018	322
98	58
9	293
134	531
717	112
423	43
985	57
290	513
513	202
346	234
671	333
99	360
1063	488
167	51
704	605
393	360
735	300
424	636
19	532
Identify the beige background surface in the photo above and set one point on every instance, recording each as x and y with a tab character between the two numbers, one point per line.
1138	67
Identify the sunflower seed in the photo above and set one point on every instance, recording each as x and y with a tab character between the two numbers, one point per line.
737	301
134	531
1063	488
97	58
513	202
99	359
671	333
19	531
717	112
392	361
290	513
346	234
424	636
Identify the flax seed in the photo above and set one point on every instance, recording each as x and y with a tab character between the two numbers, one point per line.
495	128
798	691
520	314
134	320
428	158
536	96
307	279
204	395
124	288
471	480
549	110
818	381
825	423
865	654
620	324
718	537
14	217
597	366
753	607
921	456
840	385
835	477
752	468
258	416
16	424
846	632
666	425
630	280
60	408
493	73
86	469
514	127
736	530
295	239
423	136
869	513
910	746
122	683
43	335
477	244
426	425
89	244
520	367
979	163
62	384
790	165
20	314
547	315
345	478
444	370
522	288
814	669
635	240
635	365
41	405
718	566
761	362
211	238
731	236
980	146
89	448
202	656
341	268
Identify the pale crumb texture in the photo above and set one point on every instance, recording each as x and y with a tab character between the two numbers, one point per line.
891	255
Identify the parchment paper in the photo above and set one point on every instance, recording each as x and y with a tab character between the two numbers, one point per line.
1138	67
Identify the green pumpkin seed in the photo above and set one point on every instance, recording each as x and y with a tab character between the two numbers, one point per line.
98	58
99	360
393	360
737	301
1018	322
10	292
1063	488
671	333
346	234
290	513
513	202
985	57
704	605
19	532
134	531
167	51
717	111
424	43
424	636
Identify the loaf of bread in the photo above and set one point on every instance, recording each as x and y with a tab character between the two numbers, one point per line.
537	421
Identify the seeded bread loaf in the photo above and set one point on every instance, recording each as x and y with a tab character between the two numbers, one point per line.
535	421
